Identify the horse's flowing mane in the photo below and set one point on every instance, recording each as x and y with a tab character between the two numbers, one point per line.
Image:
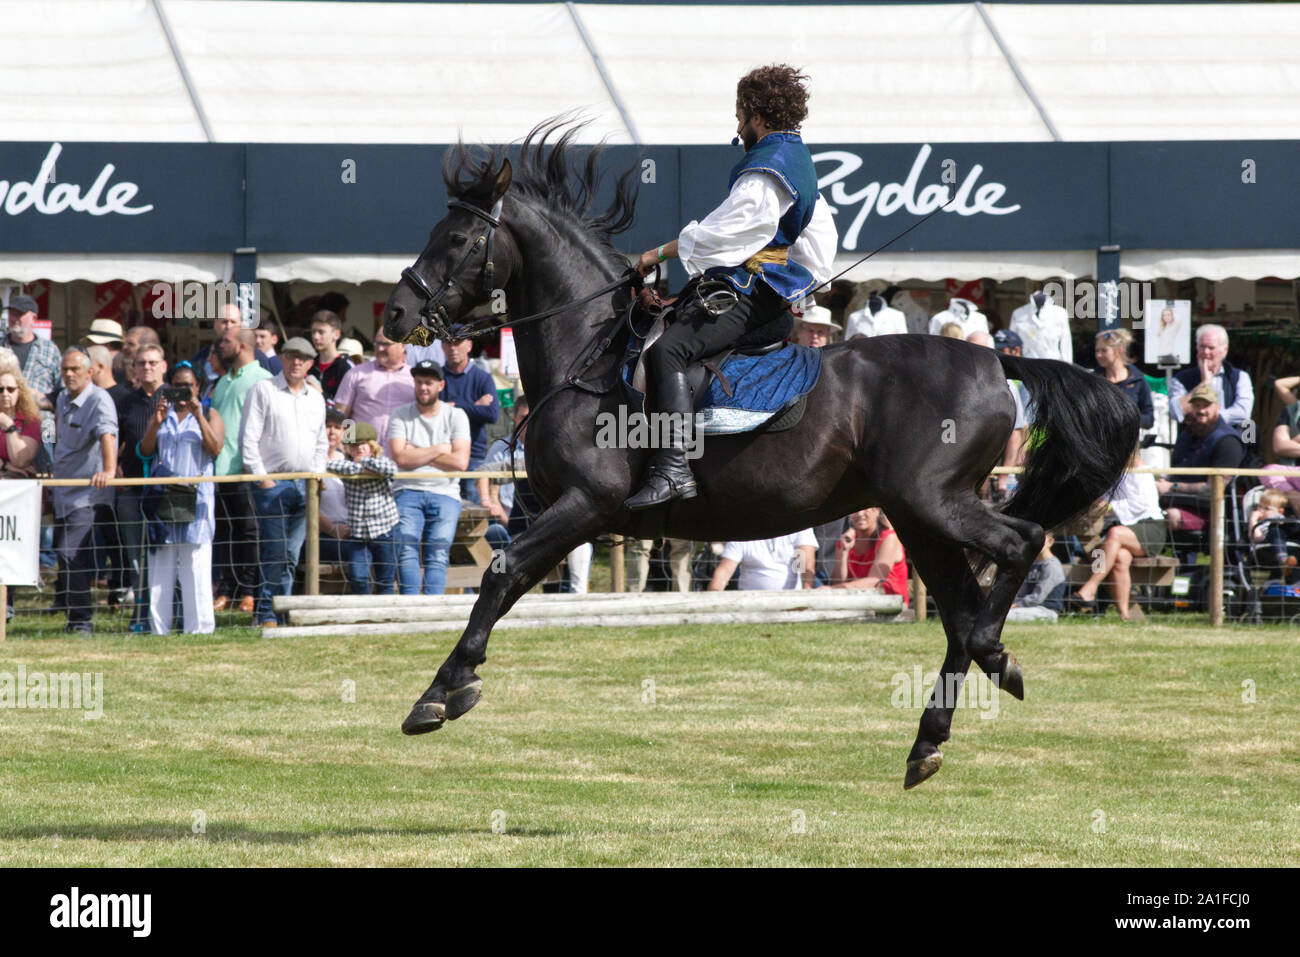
545	172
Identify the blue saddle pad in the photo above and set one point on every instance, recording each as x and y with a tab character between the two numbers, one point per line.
761	386
768	382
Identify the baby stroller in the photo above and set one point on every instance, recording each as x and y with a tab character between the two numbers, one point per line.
1273	560
1240	580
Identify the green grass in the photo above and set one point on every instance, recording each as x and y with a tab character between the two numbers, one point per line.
753	729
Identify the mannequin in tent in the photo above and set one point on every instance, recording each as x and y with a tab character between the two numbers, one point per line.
875	319
1044	328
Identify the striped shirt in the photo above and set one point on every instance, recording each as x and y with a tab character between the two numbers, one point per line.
41	370
371	509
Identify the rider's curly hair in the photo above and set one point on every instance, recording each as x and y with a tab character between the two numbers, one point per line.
776	93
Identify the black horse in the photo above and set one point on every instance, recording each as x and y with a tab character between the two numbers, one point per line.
911	423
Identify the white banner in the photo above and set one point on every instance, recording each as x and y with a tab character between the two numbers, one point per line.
509	358
20	532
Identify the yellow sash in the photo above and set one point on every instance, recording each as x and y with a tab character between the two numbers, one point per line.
769	254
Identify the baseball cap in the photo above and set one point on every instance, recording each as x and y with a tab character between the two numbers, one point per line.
427	367
1203	393
1006	339
349	347
299	345
359	432
22	303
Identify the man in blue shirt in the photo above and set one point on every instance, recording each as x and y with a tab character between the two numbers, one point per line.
85	447
470	389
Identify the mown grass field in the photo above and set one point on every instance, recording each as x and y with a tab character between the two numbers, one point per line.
765	745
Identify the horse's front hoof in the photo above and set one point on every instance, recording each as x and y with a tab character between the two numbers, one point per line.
921	769
426	716
1013	681
463	698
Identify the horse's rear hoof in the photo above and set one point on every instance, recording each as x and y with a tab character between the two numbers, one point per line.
463	698
921	769
1013	682
426	716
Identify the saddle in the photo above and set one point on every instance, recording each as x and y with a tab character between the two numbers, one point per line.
704	373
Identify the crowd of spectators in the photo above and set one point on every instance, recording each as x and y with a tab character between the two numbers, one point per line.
248	404
245	404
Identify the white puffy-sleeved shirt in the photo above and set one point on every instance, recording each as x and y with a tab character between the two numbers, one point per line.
746	222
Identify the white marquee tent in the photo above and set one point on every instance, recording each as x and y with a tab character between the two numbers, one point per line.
233	71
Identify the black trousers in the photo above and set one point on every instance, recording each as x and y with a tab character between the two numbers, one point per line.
756	319
237	545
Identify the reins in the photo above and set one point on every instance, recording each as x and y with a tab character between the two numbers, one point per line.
433	315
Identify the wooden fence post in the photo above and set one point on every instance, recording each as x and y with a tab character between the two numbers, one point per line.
1216	550
313	536
617	571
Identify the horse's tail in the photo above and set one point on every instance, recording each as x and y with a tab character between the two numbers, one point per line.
1083	433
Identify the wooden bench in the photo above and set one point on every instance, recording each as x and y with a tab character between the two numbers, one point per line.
470	552
1158	571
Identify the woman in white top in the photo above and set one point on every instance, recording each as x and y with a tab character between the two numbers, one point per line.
1139	531
182	440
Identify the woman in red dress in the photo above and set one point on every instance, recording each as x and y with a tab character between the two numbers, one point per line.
869	555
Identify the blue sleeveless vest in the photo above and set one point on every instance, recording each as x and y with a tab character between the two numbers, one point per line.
784	156
1191	378
1192	450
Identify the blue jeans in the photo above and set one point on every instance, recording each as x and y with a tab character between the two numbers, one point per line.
496	535
426	532
469	487
282	517
382	552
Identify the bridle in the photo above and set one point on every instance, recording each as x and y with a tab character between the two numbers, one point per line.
434	321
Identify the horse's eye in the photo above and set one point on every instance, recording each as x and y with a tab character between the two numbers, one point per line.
458	239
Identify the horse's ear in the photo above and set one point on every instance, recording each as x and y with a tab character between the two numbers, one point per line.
504	178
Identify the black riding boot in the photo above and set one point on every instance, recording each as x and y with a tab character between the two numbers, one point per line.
670	477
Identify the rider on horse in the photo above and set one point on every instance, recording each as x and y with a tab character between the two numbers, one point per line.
772	242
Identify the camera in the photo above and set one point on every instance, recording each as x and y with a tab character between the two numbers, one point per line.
176	394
